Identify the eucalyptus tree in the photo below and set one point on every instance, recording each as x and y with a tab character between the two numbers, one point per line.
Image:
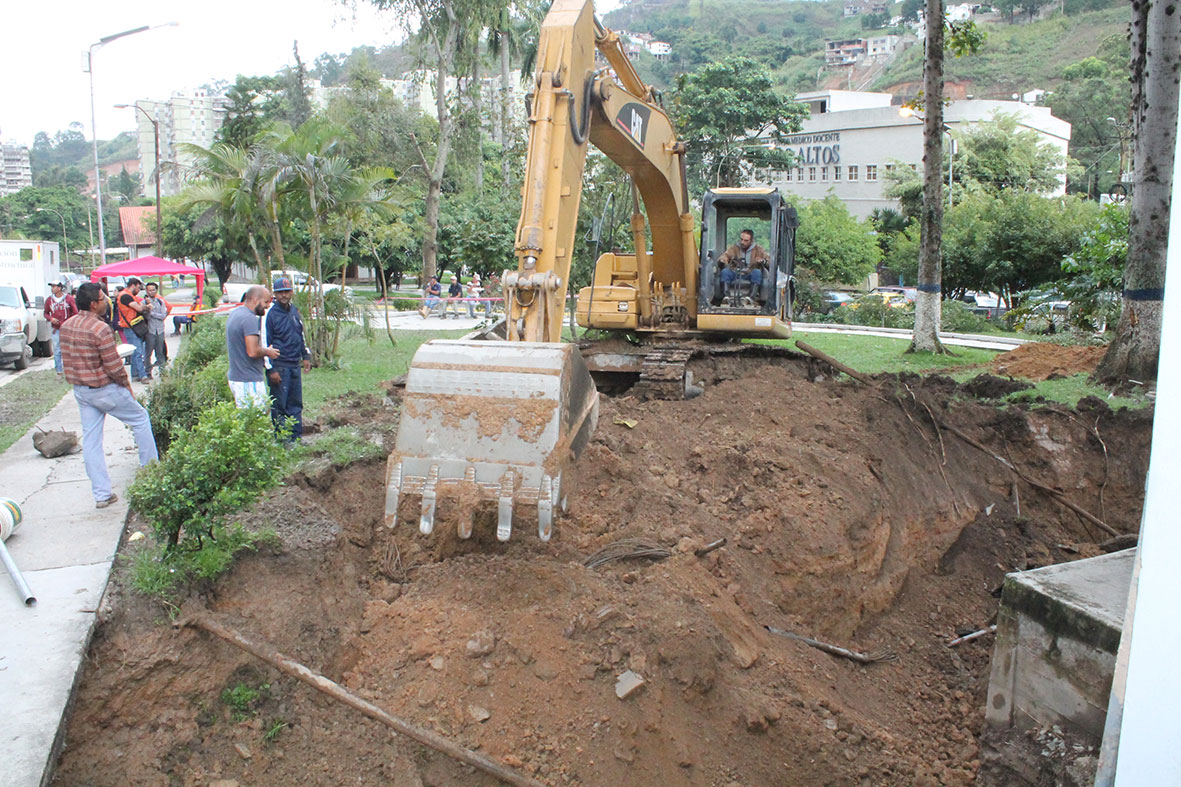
442	24
1155	61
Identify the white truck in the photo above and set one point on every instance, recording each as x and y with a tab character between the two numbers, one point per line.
26	268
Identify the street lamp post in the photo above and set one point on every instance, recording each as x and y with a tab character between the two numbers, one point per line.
156	133
102	242
65	238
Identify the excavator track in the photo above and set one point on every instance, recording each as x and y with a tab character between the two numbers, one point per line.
665	370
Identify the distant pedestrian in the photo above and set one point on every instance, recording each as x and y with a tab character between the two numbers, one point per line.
59	307
282	328
247	352
101	388
133	321
155	348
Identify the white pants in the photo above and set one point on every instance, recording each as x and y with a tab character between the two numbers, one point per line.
251	394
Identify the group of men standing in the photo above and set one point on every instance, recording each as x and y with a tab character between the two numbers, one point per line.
264	341
268	354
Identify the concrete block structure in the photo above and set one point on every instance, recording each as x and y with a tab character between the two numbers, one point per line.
1058	632
15	170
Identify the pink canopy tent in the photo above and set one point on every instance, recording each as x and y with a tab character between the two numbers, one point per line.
149	266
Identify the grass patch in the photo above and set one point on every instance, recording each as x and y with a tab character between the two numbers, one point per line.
364	365
243	698
341	446
876	354
25	400
1068	390
164	575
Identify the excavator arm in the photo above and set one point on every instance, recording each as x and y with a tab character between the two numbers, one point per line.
574	102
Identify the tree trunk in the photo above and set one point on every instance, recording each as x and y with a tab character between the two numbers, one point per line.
445	55
1156	56
478	112
505	104
928	303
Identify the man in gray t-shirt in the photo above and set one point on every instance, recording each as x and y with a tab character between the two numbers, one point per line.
246	351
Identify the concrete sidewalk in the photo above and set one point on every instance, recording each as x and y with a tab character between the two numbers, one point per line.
65	548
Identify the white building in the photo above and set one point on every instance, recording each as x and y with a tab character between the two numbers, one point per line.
15	170
882	47
192	118
660	49
851	140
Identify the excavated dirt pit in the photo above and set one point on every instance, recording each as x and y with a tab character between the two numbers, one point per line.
848	519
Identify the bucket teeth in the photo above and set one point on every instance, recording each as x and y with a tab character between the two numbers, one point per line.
545	509
429	497
393	495
466	523
504	508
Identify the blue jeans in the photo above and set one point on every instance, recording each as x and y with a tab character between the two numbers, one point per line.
56	338
137	357
287	399
95	404
729	275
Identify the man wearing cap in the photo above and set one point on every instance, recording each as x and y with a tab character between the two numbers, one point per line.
59	307
282	328
133	322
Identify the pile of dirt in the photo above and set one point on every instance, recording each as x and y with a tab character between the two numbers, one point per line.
1040	361
848	518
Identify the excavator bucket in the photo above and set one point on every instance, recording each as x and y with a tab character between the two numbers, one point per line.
490	421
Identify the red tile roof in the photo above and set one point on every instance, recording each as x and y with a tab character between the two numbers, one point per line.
138	225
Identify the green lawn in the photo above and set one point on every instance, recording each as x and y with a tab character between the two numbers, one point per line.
875	354
24	400
365	365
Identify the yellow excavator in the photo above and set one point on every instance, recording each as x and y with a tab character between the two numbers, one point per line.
499	422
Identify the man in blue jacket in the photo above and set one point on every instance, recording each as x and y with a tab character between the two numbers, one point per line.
282	328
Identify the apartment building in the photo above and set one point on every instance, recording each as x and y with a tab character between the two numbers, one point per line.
193	118
15	170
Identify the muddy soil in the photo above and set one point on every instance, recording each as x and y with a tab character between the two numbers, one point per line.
1039	361
848	518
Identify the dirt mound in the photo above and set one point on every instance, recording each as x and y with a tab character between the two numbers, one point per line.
848	517
1039	361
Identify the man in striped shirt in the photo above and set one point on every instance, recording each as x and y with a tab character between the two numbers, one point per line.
101	388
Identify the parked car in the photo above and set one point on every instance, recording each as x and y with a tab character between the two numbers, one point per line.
989	305
894	300
301	280
835	298
910	293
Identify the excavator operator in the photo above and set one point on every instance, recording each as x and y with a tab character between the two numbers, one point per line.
745	260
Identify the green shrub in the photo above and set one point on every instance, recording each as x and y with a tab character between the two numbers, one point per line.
405	305
958	317
206	342
217	467
871	310
242	699
178	399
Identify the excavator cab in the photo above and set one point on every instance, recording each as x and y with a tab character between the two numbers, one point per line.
758	300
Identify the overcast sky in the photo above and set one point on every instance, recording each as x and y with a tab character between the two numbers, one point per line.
44	88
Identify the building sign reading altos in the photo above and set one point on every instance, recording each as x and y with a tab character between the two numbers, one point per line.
816	148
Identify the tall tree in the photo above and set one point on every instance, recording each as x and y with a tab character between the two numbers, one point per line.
964	38
728	112
442	23
1155	60
929	298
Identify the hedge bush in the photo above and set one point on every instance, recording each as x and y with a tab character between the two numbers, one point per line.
217	467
